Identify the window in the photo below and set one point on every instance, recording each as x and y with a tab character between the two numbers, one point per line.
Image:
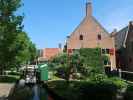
99	37
81	37
105	51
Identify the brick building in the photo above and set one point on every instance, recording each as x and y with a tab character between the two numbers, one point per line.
90	34
124	47
48	53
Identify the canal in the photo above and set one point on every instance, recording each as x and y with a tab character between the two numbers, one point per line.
30	92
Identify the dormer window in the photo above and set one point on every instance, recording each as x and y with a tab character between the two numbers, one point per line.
81	37
99	37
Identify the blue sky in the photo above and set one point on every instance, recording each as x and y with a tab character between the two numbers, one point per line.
48	22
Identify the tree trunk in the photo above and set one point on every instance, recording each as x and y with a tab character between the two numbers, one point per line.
1	70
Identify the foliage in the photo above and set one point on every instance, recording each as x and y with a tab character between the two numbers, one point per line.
10	27
91	56
129	92
60	59
26	50
92	61
130	87
14	73
66	64
119	82
100	89
21	49
98	78
32	51
9	78
96	86
15	46
59	86
86	61
59	63
105	57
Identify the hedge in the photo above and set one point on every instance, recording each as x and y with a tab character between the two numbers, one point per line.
86	90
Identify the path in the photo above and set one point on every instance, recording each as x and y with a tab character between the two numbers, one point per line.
5	89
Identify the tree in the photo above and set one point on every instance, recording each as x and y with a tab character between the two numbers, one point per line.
25	50
15	46
92	61
66	64
10	27
86	61
32	52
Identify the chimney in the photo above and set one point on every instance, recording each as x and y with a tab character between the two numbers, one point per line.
114	32
89	8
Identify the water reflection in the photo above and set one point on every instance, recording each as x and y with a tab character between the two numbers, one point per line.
35	92
44	94
32	92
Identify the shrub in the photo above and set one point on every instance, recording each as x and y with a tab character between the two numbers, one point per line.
98	78
14	73
8	79
61	72
130	87
121	84
92	60
98	91
129	92
87	61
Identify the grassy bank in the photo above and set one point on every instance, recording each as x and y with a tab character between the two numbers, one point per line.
9	78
